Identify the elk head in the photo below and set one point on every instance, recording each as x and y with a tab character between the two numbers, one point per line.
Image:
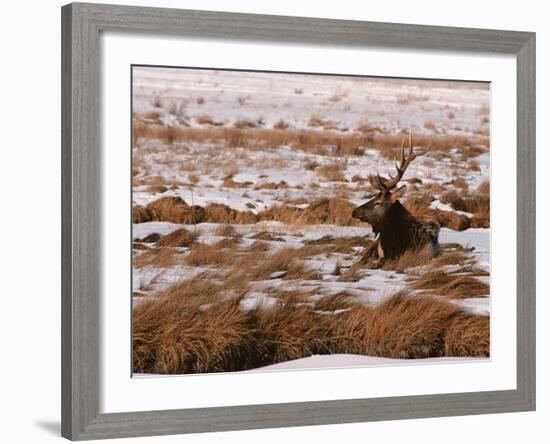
375	210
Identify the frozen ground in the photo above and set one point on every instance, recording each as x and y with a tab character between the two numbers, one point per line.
342	361
373	286
248	178
346	102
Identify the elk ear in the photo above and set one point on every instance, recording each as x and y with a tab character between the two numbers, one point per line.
397	194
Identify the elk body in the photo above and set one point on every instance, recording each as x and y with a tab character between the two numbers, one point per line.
397	229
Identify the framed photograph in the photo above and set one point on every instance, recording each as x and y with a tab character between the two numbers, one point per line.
278	221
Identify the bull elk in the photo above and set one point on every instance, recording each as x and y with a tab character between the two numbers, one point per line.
396	228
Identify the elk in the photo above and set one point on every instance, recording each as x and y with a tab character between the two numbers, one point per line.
396	228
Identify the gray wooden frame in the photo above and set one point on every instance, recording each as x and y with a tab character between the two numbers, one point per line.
81	230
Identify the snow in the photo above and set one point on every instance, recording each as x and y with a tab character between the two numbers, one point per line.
195	171
374	285
348	360
227	96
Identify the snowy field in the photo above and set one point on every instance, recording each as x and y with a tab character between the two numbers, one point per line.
255	142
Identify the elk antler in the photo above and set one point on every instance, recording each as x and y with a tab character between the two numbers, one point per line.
387	184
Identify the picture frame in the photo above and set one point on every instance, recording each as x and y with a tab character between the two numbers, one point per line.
82	25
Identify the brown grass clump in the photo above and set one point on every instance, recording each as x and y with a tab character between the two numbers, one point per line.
258	247
175	209
352	274
442	283
463	287
150	238
368	128
480	206
459	182
484	187
156	257
205	119
454	200
313	141
204	254
331	244
409	259
430	126
228	182
189	329
473	165
435	187
193	327
281	125
271	185
156	189
449	219
431	280
333	172
222	214
285	263
177	238
444	259
336	301
406	327
267	236
283	213
324	211
140	214
330	211
454	221
288	331
468	336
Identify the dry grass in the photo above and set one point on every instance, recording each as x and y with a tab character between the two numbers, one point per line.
271	185
205	119
459	182
463	287
445	259
431	280
449	219
281	125
484	187
267	236
442	283
177	238
430	126
193	327
454	199
324	211
286	263
330	244
156	257
314	141
140	214
175	209
175	333
333	172
405	327
204	254
409	259
368	128
228	182
352	274
154	189
468	336
222	214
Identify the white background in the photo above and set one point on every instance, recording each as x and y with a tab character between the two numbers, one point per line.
121	393
30	222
